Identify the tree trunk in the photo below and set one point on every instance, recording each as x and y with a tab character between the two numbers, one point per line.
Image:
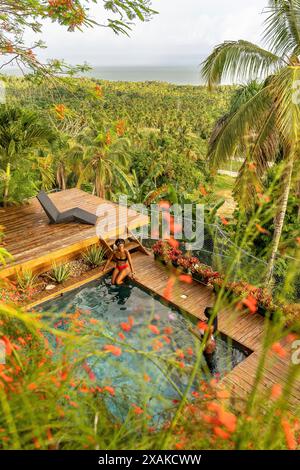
60	176
6	185
280	216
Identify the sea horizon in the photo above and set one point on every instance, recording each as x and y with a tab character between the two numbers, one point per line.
173	74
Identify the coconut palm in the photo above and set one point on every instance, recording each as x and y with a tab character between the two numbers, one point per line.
22	134
105	159
269	120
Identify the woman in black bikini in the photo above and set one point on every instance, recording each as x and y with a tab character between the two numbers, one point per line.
123	261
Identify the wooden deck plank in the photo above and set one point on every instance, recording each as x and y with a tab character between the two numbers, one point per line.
32	240
246	329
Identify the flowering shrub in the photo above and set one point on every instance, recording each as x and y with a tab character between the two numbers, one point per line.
166	252
244	294
55	401
10	293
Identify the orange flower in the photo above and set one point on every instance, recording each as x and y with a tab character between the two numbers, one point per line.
108	139
203	191
289	435
180	354
166	339
262	229
121	336
222	394
154	329
157	345
279	350
251	303
93	321
113	349
224	220
173	243
137	410
110	390
32	386
252	166
219	432
276	391
147	378
99	91
60	110
131	320
36	443
169	287
186	278
168	330
201	325
228	419
298	240
125	326
8	345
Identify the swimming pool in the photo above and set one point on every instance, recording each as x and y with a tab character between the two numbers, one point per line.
159	350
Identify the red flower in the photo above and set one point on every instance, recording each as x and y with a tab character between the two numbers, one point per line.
186	278
279	350
125	327
219	432
173	243
154	329
262	229
137	410
289	435
32	386
201	325
169	287
110	390
203	191
224	220
113	349
251	303
276	391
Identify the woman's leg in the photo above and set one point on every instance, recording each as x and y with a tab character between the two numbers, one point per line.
114	276
122	275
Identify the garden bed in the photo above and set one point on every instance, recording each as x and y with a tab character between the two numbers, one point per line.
255	300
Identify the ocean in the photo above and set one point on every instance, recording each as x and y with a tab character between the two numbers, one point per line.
178	75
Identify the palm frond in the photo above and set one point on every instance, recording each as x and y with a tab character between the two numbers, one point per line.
238	61
284	89
282	27
239	128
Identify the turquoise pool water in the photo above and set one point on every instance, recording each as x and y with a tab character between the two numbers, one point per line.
113	305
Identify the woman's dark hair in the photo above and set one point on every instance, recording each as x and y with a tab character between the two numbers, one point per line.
208	312
119	242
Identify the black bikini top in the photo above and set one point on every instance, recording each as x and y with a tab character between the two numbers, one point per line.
121	259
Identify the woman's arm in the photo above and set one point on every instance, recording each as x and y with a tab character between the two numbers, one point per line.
130	261
108	262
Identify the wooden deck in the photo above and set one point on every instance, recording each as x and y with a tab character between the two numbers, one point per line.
246	329
34	243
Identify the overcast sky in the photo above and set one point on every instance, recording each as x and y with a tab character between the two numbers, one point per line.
181	34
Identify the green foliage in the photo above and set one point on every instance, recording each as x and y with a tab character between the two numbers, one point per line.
109	138
26	280
60	273
94	256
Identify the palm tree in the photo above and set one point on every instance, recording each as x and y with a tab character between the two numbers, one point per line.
22	134
269	120
105	159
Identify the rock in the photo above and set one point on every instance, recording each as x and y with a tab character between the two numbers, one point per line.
50	287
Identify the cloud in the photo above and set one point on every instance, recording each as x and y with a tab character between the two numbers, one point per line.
182	33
